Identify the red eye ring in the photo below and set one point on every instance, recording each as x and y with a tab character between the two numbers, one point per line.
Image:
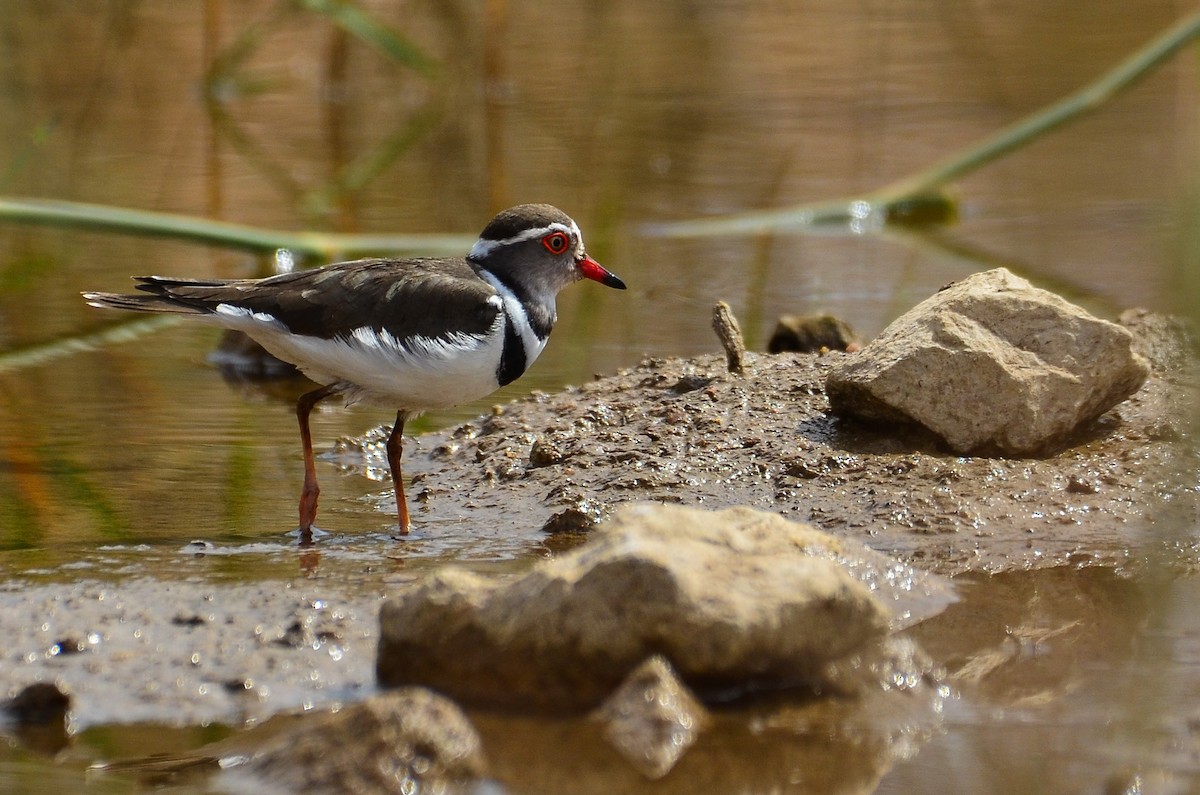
556	242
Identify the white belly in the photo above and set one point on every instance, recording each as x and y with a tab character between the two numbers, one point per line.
424	373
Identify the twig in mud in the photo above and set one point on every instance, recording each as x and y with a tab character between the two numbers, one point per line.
726	326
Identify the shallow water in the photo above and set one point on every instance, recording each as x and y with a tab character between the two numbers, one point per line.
114	458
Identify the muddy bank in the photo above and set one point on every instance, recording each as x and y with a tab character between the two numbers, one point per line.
146	650
687	431
1049	649
197	648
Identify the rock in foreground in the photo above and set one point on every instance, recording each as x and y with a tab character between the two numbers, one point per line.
991	364
409	740
732	599
652	719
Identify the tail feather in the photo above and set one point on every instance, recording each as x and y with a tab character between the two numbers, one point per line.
141	303
164	285
165	295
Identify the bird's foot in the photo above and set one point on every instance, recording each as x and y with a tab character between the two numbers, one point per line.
307	534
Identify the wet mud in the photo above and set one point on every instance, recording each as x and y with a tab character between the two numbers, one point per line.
687	431
531	478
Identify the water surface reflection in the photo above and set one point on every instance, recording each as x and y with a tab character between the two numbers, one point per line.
113	459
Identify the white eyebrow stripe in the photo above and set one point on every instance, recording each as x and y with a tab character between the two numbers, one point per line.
484	247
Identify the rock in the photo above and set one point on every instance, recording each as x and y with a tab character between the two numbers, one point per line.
991	364
408	740
576	520
38	703
544	453
811	334
732	599
37	718
652	719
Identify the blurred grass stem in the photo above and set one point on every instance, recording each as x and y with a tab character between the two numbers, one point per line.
325	245
925	190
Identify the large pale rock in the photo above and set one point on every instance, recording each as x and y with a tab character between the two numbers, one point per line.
732	599
991	364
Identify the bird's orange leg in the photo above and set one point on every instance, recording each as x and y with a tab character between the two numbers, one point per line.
310	492
395	444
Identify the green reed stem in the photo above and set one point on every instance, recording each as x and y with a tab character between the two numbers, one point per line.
326	245
918	198
1021	132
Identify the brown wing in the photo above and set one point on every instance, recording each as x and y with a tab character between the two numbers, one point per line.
424	297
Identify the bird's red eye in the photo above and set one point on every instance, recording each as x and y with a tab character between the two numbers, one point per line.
556	242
